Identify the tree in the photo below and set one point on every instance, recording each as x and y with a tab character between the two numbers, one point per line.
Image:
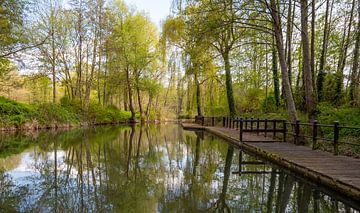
307	67
273	8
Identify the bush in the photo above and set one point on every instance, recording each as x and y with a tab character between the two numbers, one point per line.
13	113
48	113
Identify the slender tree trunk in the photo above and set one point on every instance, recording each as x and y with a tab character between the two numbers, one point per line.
53	53
105	77
228	82
92	69
355	66
198	94
284	71
131	106
312	43
342	58
275	75
307	73
289	32
139	103
321	74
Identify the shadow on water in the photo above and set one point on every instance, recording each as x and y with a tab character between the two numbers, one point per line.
151	168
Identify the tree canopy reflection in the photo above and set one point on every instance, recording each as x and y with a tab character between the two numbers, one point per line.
150	168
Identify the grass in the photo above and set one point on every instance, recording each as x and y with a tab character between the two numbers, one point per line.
16	115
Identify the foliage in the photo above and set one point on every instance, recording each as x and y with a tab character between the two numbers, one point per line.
15	114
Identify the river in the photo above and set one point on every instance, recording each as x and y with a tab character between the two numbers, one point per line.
153	168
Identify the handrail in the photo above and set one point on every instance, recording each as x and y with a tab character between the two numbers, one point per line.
263	125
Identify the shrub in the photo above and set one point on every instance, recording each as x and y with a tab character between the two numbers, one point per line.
49	112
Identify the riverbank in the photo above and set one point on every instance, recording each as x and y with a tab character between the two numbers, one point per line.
66	114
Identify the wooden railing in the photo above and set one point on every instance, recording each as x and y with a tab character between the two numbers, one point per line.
284	131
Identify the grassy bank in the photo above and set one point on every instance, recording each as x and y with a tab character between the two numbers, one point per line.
15	115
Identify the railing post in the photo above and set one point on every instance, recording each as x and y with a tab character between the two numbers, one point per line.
251	123
237	123
297	132
202	120
266	125
314	134
284	130
240	161
336	137
241	129
212	121
223	119
230	122
274	128
246	124
257	125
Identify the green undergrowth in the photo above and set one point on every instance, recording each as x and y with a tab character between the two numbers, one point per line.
326	114
16	115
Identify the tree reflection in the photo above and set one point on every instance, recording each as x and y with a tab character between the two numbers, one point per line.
150	168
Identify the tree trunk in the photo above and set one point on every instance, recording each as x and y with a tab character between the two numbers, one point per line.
289	31
307	73
312	43
53	54
342	59
92	69
275	75
228	82
321	74
139	102
131	106
198	94
355	67
284	71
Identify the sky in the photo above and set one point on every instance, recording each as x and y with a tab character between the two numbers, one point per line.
156	9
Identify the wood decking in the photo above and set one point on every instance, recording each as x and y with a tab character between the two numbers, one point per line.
337	172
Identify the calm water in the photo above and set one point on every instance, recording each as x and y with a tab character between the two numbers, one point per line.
150	169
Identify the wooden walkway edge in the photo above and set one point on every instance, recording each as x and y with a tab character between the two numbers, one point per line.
339	173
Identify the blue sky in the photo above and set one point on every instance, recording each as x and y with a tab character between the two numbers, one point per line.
157	9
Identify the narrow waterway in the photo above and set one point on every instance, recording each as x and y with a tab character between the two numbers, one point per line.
154	168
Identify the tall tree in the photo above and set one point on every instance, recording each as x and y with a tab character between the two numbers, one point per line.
343	56
325	41
355	66
277	28
307	72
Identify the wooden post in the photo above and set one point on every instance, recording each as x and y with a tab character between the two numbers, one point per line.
257	125
266	125
274	128
212	121
246	123
251	123
241	129
237	123
202	120
314	134
240	162
223	121
336	137
297	132
230	122
284	130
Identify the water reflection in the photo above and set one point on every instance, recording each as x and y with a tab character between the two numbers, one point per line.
153	168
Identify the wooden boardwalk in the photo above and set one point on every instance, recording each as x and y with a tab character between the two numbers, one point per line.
340	173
